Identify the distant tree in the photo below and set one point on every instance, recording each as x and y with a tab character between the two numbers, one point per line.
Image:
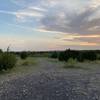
89	55
62	56
23	55
54	55
79	55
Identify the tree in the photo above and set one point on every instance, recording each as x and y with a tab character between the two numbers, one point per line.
23	55
54	55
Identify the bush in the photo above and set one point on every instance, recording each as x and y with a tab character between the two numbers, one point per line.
23	55
54	55
98	56
61	56
79	55
1	51
71	63
66	55
87	55
7	61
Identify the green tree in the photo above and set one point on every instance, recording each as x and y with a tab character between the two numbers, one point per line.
23	55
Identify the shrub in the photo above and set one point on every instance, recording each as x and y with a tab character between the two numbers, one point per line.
1	51
98	56
66	55
71	63
87	55
61	56
7	61
54	55
79	55
23	55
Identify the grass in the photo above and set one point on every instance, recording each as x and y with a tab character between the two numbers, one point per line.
86	65
23	67
97	62
30	61
29	65
72	64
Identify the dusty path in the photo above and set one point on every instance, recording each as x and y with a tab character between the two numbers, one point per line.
52	82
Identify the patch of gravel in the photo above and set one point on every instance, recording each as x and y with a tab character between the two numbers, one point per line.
53	83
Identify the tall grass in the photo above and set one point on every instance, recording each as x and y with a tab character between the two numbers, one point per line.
71	63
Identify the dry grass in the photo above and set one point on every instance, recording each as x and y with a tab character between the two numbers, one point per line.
23	67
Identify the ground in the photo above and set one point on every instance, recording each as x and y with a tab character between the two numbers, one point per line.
48	80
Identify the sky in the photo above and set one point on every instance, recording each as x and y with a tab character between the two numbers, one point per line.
41	25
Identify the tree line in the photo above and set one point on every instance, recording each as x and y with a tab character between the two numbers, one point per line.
79	55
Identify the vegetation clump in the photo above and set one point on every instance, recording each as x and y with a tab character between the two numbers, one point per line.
54	54
79	55
71	63
7	60
23	55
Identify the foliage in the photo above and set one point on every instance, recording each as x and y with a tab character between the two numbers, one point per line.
30	61
87	55
23	55
61	56
7	61
1	51
54	55
66	55
79	55
71	63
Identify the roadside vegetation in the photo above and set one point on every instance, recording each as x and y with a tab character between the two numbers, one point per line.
21	68
71	63
7	60
23	55
13	64
72	57
25	61
29	61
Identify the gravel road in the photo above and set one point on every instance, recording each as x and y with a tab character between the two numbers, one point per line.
52	82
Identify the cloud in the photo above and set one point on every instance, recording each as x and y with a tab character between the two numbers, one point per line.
95	3
23	15
62	16
7	12
76	22
71	22
27	13
30	12
83	40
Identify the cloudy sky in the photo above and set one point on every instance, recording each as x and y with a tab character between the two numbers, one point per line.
49	24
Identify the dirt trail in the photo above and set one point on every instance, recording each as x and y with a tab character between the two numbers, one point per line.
52	82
